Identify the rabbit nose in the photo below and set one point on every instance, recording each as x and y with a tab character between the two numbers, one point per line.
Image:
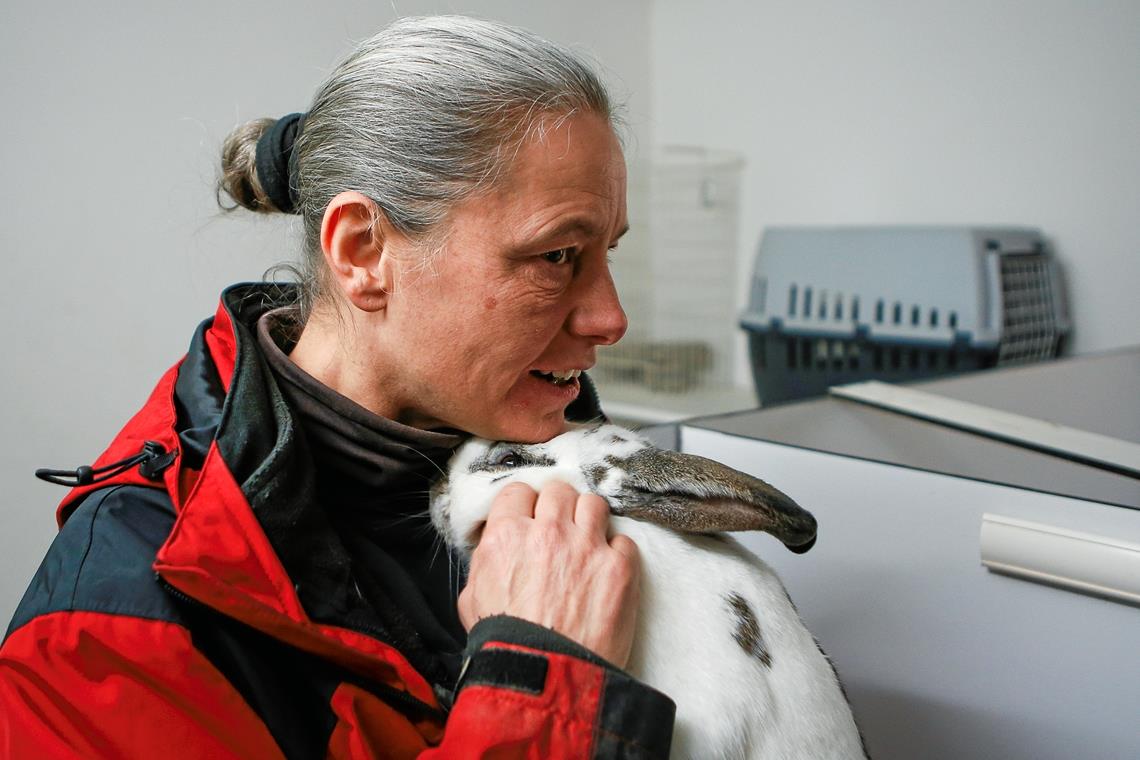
802	548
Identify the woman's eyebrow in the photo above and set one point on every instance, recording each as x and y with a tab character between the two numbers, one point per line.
573	225
569	226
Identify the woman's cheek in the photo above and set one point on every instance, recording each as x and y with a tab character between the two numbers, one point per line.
547	281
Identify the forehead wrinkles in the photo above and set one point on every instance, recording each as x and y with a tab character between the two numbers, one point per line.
579	175
516	217
578	213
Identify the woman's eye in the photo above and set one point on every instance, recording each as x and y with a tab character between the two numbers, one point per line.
561	256
510	459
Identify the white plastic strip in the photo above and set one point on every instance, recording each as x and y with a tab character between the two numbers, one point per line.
1080	445
1084	562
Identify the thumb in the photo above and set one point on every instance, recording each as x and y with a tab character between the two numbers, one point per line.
464	606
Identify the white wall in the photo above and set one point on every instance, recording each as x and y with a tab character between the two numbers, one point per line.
113	114
1019	112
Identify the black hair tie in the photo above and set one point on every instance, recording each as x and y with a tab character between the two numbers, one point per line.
276	164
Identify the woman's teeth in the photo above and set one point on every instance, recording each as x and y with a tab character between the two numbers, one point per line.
559	377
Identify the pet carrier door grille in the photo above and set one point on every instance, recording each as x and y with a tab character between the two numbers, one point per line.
1029	326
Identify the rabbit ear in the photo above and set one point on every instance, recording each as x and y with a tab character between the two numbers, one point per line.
689	493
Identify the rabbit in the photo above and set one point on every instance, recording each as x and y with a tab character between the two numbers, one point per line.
716	630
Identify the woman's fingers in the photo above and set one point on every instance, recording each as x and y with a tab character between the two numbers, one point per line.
556	503
592	514
515	500
560	504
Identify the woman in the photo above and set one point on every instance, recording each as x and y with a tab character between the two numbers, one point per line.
247	570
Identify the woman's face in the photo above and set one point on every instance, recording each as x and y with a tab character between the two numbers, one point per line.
521	289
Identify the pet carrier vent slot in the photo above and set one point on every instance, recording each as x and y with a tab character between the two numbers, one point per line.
792	293
760	355
821	353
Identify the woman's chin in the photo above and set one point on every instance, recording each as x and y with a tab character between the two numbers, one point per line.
535	411
525	426
533	430
516	418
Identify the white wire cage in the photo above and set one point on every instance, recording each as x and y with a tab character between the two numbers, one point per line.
677	280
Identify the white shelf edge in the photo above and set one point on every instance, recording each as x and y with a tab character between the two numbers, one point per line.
1083	562
1072	443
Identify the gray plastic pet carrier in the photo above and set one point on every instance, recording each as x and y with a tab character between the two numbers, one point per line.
837	305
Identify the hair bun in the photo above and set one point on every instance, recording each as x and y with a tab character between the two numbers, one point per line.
257	163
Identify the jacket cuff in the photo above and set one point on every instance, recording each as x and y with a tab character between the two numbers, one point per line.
633	721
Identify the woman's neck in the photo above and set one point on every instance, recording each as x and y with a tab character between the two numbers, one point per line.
330	349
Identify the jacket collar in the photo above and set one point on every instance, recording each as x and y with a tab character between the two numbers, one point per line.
237	449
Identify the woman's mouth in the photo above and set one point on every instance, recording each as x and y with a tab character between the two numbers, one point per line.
557	377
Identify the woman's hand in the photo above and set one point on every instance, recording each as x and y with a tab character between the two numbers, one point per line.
544	557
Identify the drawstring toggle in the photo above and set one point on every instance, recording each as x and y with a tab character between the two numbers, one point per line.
151	461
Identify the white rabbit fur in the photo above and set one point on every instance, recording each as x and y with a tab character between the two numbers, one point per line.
716	630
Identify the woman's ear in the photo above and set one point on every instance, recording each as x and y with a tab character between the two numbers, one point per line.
357	242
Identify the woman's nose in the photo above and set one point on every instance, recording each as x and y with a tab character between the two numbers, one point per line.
598	314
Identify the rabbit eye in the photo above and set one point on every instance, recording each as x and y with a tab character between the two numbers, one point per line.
510	459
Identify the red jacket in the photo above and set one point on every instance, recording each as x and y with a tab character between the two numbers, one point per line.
162	623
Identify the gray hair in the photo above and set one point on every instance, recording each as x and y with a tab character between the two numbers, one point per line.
421	116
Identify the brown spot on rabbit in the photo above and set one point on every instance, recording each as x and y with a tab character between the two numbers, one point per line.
747	632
